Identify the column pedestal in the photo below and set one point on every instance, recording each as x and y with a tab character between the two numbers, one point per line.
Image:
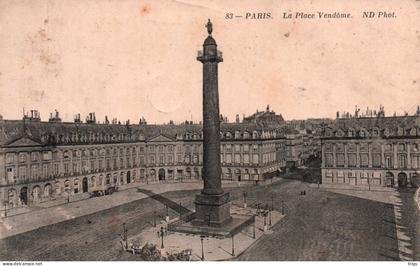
212	210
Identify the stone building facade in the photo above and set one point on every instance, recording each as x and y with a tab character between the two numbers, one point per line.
372	151
44	161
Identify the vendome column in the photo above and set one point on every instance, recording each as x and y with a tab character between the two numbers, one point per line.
212	204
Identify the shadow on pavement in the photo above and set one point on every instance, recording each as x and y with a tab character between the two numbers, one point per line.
165	201
409	222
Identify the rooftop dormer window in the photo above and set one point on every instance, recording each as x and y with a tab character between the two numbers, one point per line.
363	133
339	133
254	134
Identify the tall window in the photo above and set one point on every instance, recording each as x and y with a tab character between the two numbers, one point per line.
22	173
228	147
402	161
66	168
34	171
56	169
10	171
388	162
401	147
329	160
45	170
237	158
340	159
246	158
415	162
10	158
352	159
228	158
364	159
255	159
376	160
35	156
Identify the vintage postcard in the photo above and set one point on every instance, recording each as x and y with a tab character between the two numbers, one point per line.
209	130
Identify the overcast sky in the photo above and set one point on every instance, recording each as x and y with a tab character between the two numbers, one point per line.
128	59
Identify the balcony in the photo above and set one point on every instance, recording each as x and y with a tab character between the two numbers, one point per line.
210	56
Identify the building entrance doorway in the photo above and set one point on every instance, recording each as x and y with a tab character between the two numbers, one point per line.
389	179
85	185
24	196
161	174
128	177
402	180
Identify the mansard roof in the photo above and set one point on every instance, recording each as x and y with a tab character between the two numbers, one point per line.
50	133
399	126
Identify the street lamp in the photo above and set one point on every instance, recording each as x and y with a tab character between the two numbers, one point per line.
233	246
68	195
272	207
253	233
154	218
5	208
245	195
125	236
167	213
265	219
161	234
202	247
282	207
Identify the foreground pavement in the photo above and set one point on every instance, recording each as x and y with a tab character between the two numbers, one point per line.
213	249
321	225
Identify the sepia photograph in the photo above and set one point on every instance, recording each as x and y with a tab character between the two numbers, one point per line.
208	130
